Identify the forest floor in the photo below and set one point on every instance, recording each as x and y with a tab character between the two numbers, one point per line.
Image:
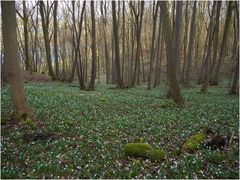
92	128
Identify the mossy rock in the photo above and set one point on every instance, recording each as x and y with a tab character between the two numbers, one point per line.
193	143
137	149
29	122
156	155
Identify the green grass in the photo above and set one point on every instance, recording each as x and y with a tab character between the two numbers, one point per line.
93	128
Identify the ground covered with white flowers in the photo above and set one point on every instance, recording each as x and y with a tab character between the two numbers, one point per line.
82	134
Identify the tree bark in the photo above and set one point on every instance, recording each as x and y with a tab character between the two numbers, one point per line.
185	44
211	64
93	72
172	48
223	44
152	46
45	27
138	18
116	45
104	19
25	27
55	39
21	109
190	44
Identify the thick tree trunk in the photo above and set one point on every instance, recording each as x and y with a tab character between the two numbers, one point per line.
21	109
172	48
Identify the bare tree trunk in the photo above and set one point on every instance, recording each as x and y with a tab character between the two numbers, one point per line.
55	39
93	72
172	48
45	26
159	58
123	41
152	45
223	44
185	44
235	87
21	109
138	18
104	16
211	65
190	44
116	45
86	48
25	27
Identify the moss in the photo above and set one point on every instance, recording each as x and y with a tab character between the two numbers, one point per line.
156	155
29	122
4	120
142	140
24	116
167	104
137	149
193	143
136	162
70	122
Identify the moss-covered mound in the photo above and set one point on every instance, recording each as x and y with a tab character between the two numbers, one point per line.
156	155
29	122
192	144
137	149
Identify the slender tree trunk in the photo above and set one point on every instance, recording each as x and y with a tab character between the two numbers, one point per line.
21	109
86	47
93	72
107	64
159	58
116	45
138	18
152	46
215	45
223	44
46	39
26	41
234	87
123	40
185	44
190	44
55	39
